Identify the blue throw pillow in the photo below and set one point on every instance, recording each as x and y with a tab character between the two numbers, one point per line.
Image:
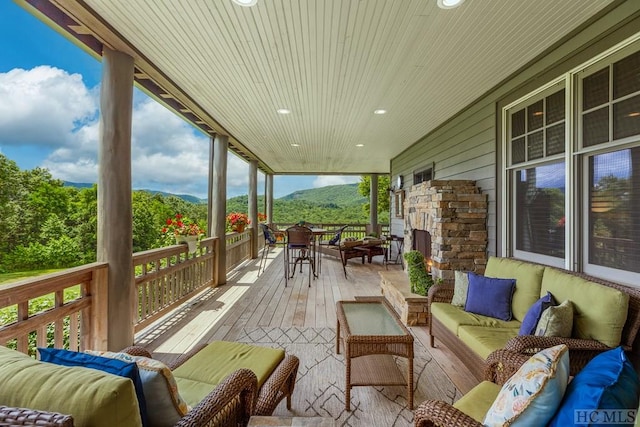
112	366
608	381
335	239
532	317
490	296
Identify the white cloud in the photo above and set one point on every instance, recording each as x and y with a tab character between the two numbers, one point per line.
325	180
43	106
55	112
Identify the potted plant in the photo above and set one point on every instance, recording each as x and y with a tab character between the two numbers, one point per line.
183	230
237	221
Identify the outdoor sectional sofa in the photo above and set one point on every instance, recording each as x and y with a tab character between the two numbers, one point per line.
214	388
606	314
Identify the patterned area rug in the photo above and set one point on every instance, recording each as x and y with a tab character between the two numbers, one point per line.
321	380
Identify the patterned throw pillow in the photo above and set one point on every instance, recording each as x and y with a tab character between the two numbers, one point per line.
532	395
461	286
165	407
556	321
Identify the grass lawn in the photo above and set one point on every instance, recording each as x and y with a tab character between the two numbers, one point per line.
7	278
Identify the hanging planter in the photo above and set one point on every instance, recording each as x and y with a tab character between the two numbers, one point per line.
239	228
191	241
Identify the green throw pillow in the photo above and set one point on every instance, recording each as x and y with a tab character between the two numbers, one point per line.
556	321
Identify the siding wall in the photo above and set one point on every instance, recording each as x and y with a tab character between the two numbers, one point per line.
467	146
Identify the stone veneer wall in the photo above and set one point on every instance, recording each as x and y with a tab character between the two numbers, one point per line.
454	212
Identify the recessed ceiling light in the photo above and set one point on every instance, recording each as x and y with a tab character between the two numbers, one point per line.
449	4
379	111
283	111
359	145
245	3
295	145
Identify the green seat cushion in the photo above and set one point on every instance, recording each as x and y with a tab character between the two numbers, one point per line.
220	358
478	400
192	392
599	312
483	340
528	282
453	317
92	397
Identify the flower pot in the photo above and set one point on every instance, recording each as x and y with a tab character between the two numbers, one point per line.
238	228
191	241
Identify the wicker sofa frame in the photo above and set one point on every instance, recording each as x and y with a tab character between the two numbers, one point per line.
230	404
581	350
500	366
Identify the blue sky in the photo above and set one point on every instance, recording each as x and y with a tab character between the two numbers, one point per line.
49	97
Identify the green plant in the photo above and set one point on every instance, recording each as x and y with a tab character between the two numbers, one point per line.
420	280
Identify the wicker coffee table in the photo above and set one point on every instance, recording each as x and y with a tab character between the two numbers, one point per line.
373	334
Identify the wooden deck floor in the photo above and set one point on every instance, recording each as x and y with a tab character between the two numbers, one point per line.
249	300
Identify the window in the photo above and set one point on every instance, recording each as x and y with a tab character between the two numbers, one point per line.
423	175
575	203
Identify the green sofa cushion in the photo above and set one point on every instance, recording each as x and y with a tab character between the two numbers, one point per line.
92	397
528	282
483	340
452	317
478	400
220	358
599	312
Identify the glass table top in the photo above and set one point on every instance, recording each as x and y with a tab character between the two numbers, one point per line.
370	319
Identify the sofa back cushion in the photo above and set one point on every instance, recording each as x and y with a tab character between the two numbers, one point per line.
92	397
599	311
528	282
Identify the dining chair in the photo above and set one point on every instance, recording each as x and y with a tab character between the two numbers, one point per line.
272	238
299	249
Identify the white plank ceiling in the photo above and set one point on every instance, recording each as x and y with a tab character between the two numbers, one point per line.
332	63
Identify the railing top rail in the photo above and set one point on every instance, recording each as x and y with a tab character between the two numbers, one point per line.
52	280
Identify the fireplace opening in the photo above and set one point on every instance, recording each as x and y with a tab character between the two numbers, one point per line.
421	241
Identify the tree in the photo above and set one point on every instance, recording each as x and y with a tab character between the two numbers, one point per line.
364	188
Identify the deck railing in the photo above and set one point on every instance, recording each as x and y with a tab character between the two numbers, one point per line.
69	308
166	277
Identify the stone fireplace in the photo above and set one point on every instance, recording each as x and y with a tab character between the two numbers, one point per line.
454	215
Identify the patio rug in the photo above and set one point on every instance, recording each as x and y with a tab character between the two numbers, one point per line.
320	382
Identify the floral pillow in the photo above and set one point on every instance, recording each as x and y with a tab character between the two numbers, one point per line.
533	394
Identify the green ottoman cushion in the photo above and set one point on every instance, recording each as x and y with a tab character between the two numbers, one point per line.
478	400
528	282
220	358
92	397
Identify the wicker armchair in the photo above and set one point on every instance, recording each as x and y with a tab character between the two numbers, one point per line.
501	365
29	417
234	400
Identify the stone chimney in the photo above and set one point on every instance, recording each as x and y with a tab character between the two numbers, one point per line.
455	214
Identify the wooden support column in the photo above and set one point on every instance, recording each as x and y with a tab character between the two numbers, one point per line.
218	198
268	196
253	206
210	190
115	213
373	203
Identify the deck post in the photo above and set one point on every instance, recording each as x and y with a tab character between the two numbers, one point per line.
115	228
218	198
268	196
373	204
253	207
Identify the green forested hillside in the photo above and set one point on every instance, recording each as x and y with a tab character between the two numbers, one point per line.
332	195
47	224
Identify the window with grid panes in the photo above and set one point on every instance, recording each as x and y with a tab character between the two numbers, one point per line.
610	114
603	158
537	139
